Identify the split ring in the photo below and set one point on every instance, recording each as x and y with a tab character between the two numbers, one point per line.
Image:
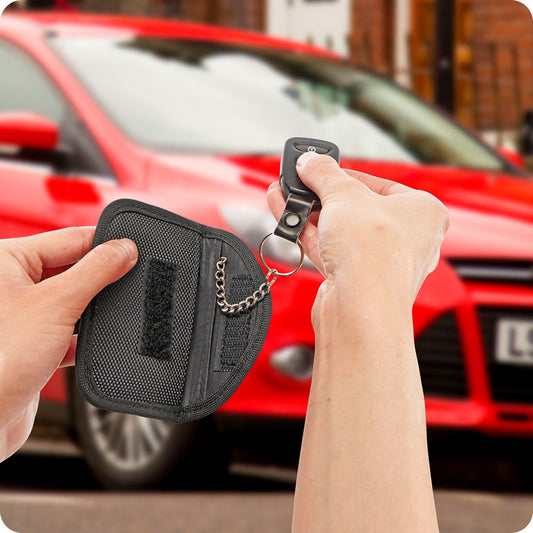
302	257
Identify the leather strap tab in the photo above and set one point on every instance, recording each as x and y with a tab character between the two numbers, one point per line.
294	218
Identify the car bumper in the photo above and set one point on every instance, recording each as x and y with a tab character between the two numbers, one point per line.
454	324
486	417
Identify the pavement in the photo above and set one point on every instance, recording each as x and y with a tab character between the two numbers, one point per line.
42	493
236	512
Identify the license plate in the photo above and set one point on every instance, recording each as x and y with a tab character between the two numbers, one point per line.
514	341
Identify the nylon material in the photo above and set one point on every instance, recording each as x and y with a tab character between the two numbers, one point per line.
216	387
237	328
119	371
235	267
205	315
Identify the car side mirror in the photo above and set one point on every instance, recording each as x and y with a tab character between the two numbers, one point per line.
29	137
28	130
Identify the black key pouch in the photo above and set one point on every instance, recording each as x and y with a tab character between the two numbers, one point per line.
155	343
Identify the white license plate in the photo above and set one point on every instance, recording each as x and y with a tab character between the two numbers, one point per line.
514	341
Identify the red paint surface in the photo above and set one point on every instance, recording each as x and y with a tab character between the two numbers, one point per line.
28	130
491	214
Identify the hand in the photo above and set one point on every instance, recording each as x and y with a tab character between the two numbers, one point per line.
375	241
373	236
46	281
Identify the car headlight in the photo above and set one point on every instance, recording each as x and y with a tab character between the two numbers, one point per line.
295	361
252	224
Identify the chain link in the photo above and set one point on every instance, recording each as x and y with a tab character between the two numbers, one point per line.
247	303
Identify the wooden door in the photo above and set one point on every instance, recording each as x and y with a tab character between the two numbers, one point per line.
422	47
464	63
422	51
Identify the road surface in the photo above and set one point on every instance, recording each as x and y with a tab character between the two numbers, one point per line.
57	494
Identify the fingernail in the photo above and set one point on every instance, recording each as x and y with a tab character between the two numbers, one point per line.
272	186
305	158
130	248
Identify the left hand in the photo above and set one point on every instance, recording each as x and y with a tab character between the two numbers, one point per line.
46	281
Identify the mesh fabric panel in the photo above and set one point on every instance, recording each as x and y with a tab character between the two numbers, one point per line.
119	370
155	343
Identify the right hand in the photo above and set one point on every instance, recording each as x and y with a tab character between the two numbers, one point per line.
372	236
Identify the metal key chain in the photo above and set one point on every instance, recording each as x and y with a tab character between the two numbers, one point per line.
301	202
270	278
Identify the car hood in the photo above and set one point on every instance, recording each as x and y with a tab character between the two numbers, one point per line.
491	214
473	234
486	191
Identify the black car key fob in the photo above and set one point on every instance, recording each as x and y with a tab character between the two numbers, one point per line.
289	180
300	200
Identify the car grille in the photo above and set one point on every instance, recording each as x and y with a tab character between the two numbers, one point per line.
494	270
508	383
440	359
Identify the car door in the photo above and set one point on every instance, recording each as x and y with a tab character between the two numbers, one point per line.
50	189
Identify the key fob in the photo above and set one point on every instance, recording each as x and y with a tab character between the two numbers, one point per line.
288	179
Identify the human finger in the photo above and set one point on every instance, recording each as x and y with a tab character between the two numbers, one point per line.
275	200
57	248
51	272
309	236
380	186
70	356
322	174
75	288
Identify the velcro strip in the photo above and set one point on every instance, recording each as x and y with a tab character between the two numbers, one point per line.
160	282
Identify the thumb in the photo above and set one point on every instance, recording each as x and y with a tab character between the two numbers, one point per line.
103	265
323	175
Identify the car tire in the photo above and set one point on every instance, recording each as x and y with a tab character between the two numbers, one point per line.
128	452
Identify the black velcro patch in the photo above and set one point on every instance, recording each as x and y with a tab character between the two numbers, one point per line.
156	338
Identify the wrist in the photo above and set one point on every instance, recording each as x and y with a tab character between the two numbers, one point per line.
350	325
368	340
362	311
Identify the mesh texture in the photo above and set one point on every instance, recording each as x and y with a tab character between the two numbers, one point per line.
237	328
120	371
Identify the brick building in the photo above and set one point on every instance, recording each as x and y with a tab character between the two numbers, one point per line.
493	57
493	42
243	14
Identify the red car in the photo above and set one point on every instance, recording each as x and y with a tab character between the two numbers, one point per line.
193	119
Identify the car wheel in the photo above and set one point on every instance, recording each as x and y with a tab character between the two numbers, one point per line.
132	452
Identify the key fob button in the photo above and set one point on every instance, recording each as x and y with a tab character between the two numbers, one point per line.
289	180
319	149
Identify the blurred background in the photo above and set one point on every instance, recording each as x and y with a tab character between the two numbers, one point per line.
472	57
97	108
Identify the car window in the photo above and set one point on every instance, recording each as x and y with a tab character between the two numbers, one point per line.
189	96
25	87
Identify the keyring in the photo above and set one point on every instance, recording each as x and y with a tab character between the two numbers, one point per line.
302	256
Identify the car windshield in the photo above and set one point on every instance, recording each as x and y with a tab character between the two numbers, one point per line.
207	97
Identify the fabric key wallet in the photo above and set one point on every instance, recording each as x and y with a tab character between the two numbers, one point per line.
156	343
